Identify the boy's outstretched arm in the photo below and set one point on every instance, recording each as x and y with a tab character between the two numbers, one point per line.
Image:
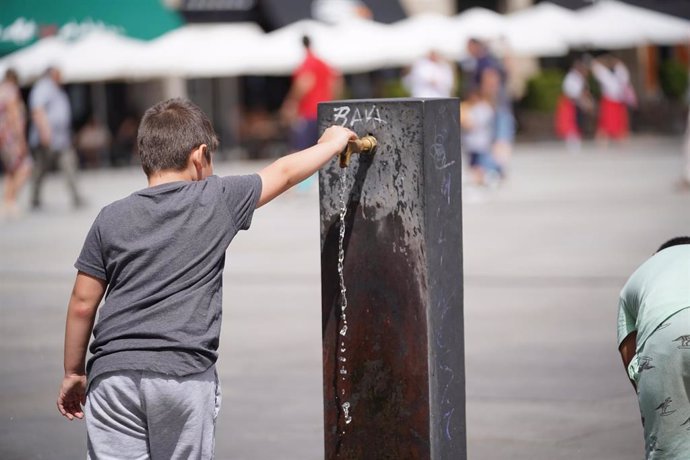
81	313
292	169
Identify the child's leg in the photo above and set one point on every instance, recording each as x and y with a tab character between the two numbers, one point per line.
181	414
115	419
476	170
663	389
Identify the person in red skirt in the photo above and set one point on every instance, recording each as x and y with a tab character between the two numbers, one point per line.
574	103
616	95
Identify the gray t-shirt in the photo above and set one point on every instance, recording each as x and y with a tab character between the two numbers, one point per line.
52	99
162	252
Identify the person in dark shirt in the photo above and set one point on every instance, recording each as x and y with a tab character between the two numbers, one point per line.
150	388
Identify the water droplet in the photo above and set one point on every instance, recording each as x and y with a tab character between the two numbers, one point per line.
346	412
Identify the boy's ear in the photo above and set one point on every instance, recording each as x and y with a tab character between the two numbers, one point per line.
197	154
198	159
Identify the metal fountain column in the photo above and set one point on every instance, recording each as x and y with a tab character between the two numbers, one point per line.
402	392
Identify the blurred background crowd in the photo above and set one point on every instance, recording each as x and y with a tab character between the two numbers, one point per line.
524	69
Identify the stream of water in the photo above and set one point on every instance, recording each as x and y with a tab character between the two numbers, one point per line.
342	359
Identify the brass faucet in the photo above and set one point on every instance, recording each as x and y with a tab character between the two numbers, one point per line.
366	144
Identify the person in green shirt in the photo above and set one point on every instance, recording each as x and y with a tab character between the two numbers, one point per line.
654	342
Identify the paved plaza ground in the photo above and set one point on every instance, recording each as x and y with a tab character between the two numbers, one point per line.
544	256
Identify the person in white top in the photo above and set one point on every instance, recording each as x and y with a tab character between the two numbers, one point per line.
616	95
430	76
478	122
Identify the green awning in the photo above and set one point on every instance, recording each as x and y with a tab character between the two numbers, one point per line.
22	22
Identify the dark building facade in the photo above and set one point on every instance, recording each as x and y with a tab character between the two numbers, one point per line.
274	14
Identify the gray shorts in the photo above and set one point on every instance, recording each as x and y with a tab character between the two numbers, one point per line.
147	415
663	385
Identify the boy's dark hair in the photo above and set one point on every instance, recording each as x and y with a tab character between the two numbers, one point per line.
674	242
168	133
306	41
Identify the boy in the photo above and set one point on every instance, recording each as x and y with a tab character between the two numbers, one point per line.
150	389
477	119
654	342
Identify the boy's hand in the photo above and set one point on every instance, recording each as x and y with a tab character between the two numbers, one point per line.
72	396
338	136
